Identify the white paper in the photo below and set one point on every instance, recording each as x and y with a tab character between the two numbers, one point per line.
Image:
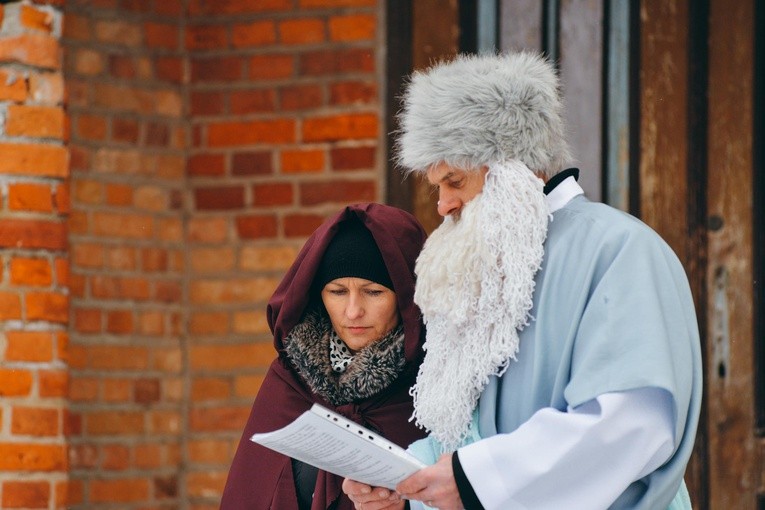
335	444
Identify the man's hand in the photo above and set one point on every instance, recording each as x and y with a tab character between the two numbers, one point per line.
365	497
433	485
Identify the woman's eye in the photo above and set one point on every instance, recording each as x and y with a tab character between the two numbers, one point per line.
337	292
374	293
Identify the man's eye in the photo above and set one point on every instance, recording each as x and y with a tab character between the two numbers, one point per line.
457	184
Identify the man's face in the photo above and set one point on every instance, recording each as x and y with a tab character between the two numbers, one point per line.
456	187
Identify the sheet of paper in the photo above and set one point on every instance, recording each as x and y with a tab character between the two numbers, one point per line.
333	443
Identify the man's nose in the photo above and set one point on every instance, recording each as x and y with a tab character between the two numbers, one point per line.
448	204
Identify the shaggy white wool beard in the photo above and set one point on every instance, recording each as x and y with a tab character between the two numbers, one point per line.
475	284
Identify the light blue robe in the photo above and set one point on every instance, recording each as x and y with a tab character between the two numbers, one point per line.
613	312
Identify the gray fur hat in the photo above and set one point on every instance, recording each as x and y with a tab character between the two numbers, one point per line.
478	110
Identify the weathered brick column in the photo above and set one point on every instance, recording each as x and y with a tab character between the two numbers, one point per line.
34	270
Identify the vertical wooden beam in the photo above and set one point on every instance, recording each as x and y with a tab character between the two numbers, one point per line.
520	24
581	70
616	104
732	448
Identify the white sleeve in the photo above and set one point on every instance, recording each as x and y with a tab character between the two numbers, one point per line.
583	458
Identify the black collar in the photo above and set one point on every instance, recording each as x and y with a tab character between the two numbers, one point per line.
559	178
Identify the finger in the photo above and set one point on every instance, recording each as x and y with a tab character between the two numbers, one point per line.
414	484
352	487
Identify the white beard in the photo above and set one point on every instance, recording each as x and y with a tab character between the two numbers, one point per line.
475	286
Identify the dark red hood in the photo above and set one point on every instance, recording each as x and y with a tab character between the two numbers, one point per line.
262	479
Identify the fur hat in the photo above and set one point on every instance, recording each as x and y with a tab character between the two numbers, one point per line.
478	110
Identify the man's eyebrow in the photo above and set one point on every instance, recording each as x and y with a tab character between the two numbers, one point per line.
446	177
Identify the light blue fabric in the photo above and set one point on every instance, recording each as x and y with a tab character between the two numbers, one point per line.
613	312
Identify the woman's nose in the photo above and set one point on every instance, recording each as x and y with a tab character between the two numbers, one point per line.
447	204
354	310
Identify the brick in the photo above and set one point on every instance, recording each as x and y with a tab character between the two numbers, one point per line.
267	258
48	87
83	389
91	127
167	292
317	4
148	456
121	257
32	346
29	271
166	487
36	19
119	33
302	161
154	259
206	165
151	323
32	457
302	31
173	8
109	287
119	322
30	197
300	97
39	50
271	67
210	388
33	159
123	66
131	226
258	33
34	421
26	494
118	490
169	69
61	199
207	102
208	451
353	93
219	69
358	27
10	306
219	198
301	225
340	127
147	391
272	194
108	423
256	226
161	35
14	383
205	7
125	130
13	86
210	260
119	195
151	198
115	457
352	158
62	345
168	361
113	357
207	230
206	37
53	383
329	62
33	234
217	419
87	255
248	386
206	483
251	163
337	191
241	290
68	493
88	62
47	306
76	27
253	101
227	134
117	390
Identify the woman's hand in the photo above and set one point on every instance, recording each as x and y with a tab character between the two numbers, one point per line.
365	497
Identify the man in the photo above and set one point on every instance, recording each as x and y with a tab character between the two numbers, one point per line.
563	365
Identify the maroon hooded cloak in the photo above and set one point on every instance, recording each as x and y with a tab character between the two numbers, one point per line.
261	479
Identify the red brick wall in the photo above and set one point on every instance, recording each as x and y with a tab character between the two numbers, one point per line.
34	273
124	64
208	139
285	115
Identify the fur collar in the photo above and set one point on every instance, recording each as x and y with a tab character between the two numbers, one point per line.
372	370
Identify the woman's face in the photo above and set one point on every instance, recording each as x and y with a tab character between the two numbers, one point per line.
361	311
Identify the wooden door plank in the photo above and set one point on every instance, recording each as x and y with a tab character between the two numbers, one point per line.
732	449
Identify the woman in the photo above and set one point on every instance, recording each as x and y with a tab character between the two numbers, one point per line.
349	337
